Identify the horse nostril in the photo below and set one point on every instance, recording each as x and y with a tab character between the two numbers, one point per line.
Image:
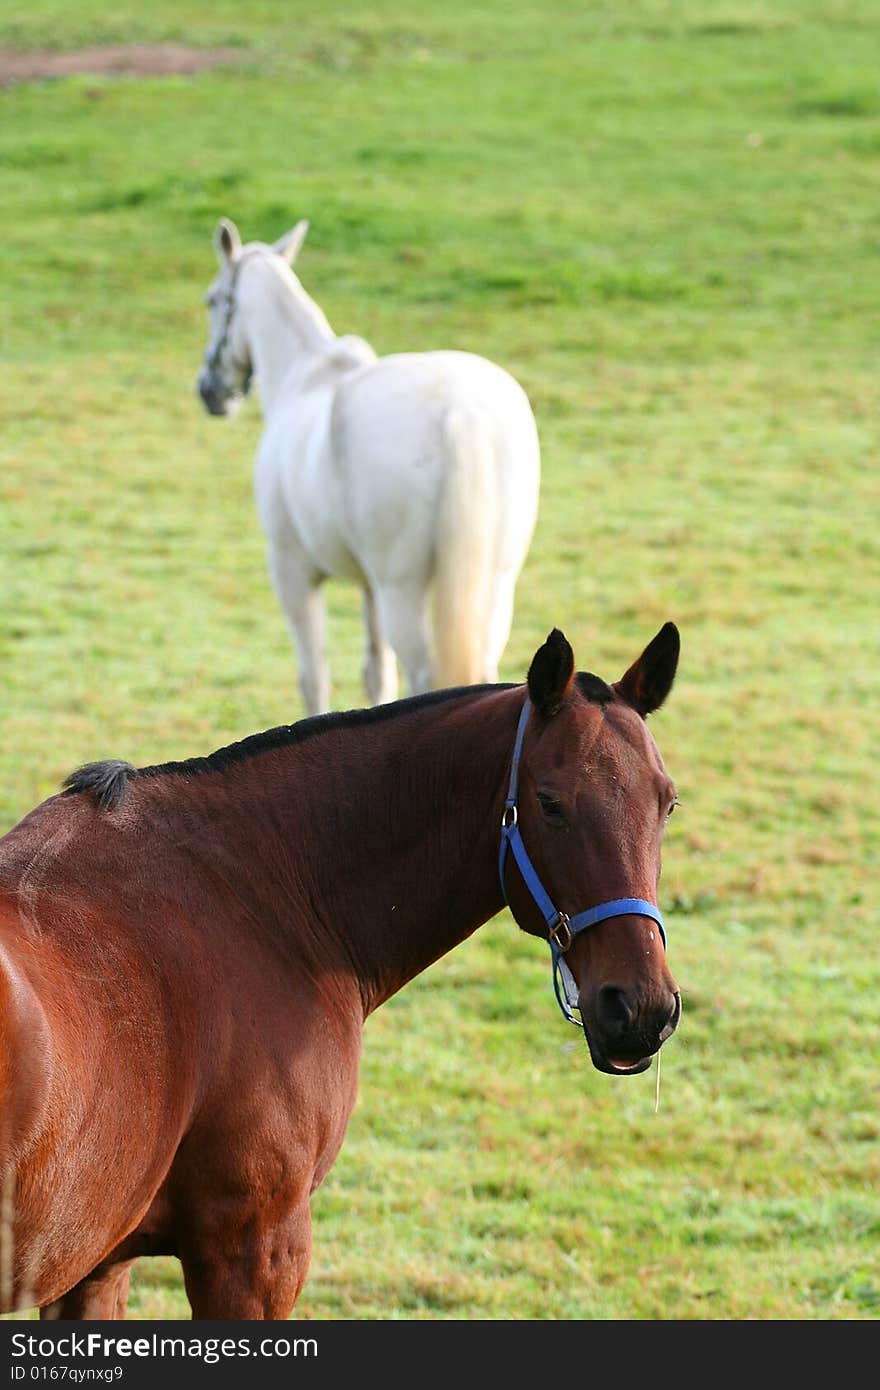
672	1018
613	1011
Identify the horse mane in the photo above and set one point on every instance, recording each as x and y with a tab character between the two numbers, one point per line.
308	315
350	352
594	688
108	781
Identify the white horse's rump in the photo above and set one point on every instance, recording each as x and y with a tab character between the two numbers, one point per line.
413	475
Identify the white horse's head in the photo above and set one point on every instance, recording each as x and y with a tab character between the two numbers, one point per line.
226	372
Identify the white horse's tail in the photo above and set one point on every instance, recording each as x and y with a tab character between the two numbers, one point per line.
466	545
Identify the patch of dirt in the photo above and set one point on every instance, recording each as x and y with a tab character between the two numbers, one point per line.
122	60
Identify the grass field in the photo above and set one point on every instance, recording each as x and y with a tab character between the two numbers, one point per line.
662	217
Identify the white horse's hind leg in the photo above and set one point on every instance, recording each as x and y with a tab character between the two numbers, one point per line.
380	663
299	592
401	610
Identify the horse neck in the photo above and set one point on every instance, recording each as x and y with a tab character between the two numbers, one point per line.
440	798
286	329
400	839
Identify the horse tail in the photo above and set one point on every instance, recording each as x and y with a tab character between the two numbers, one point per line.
465	553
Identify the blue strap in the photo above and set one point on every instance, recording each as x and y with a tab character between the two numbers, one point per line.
510	836
511	839
513	782
618	907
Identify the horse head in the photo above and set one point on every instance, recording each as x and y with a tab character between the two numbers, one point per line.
227	369
592	800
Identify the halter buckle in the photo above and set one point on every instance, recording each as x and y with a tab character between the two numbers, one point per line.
511	811
555	931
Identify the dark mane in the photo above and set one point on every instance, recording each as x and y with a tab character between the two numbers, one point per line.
594	688
107	781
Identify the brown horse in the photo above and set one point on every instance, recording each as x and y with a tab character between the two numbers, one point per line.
188	954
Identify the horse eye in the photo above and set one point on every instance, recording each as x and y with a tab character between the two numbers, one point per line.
672	805
552	808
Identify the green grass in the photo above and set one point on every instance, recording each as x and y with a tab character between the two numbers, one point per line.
662	218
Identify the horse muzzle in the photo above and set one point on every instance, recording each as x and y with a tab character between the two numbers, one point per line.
214	397
217	397
622	1036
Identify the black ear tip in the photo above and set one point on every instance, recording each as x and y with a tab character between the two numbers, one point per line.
558	648
667	643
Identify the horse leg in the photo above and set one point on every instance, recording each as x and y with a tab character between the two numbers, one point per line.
380	663
401	611
103	1294
298	587
259	1275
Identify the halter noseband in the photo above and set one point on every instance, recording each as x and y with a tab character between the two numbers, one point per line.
561	929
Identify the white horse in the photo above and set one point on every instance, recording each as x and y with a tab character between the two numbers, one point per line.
412	474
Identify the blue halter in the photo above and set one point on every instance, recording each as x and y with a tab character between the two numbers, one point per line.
561	929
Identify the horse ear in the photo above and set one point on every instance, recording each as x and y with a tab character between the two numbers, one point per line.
551	674
227	242
288	247
649	680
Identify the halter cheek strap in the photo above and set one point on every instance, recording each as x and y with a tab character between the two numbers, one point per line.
213	360
561	929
